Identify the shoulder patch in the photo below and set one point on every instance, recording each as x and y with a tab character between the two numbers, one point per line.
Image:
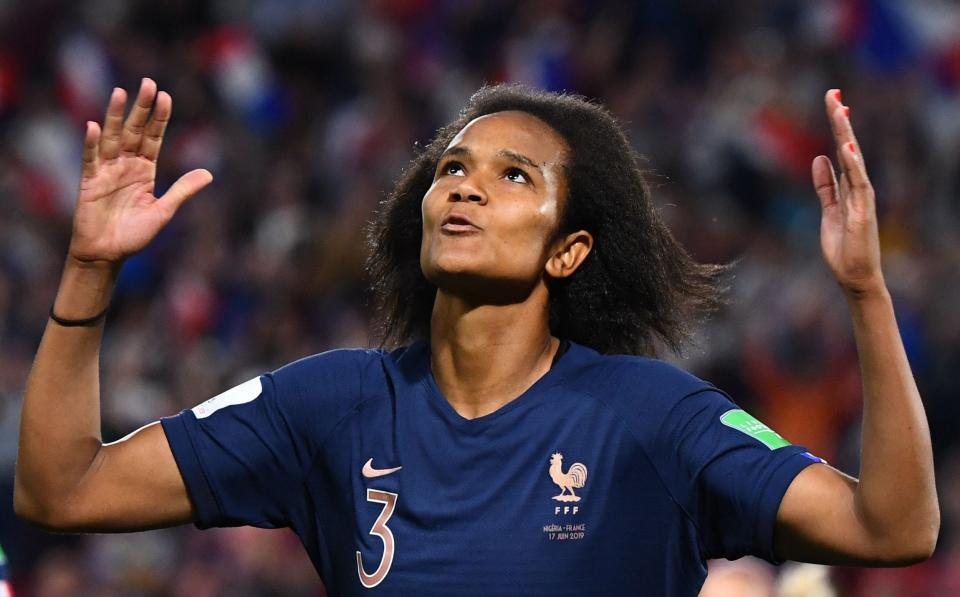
745	423
245	392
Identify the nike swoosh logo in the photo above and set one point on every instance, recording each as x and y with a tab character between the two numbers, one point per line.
371	473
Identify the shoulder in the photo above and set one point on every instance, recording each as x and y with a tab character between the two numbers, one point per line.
335	379
633	378
646	394
342	364
347	368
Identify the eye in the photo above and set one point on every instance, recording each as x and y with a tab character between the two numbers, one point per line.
452	168
517	175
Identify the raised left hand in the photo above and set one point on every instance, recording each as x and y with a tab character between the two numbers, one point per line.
848	225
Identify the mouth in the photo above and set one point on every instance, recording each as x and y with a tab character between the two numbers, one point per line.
458	224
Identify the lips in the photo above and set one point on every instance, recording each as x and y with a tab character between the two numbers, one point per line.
456	222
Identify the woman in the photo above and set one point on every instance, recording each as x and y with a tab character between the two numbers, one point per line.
497	450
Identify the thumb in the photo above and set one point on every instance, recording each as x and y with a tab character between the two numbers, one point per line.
824	181
186	187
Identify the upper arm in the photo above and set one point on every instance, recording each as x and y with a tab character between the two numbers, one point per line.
133	484
728	471
819	521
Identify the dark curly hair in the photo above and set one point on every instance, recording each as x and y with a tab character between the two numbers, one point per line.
637	289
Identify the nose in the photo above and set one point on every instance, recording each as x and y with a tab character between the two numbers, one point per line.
468	190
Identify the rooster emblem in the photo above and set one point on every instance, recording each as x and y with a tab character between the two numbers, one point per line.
576	476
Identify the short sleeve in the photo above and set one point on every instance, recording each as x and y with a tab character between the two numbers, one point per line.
731	473
244	454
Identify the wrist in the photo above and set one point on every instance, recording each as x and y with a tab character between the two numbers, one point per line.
92	267
87	322
869	305
85	288
866	292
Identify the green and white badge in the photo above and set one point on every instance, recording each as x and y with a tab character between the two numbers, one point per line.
746	423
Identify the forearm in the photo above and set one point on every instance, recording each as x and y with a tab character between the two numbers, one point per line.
60	422
896	496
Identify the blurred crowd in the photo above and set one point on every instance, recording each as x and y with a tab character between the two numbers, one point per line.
307	111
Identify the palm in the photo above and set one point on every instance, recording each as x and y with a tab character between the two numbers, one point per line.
117	213
848	226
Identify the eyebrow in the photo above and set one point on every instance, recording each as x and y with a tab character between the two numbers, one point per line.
518	157
504	153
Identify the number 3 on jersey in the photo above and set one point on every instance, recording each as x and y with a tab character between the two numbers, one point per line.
380	529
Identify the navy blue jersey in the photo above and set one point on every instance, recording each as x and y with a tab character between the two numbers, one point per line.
611	475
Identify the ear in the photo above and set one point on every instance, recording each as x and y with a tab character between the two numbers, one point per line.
568	253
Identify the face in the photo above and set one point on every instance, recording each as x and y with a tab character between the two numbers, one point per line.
493	209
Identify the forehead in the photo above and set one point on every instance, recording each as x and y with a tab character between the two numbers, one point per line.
515	131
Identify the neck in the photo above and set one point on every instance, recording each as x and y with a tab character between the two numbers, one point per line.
484	356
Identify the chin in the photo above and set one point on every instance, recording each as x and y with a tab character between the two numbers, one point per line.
456	262
452	272
477	284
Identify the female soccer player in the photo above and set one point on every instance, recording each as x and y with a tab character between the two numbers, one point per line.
515	442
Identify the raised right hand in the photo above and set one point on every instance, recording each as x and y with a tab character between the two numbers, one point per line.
117	213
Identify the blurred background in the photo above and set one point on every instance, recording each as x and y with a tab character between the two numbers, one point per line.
306	112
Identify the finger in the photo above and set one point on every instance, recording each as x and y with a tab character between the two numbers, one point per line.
137	119
845	139
836	113
153	133
186	187
844	196
831	101
857	191
91	140
860	191
825	182
112	124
